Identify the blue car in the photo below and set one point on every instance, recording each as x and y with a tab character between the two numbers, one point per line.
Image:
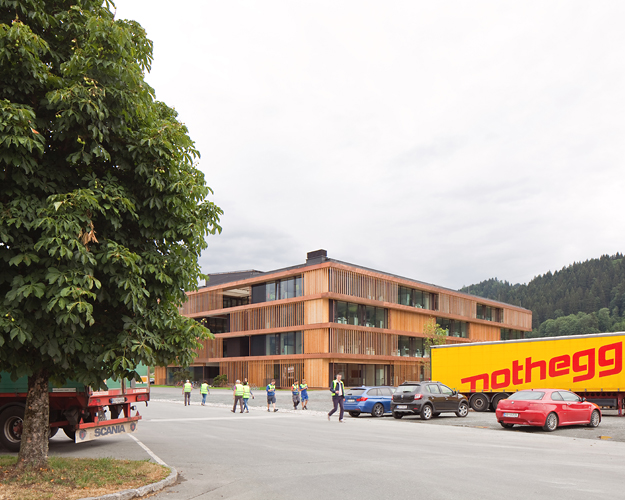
374	400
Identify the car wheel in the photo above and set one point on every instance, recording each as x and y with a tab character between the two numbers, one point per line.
397	415
426	412
506	426
11	425
69	432
463	409
479	402
551	422
354	414
595	418
378	410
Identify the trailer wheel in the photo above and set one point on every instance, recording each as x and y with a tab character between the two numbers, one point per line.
495	402
479	402
11	425
70	432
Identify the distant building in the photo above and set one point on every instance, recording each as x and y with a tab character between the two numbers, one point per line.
325	317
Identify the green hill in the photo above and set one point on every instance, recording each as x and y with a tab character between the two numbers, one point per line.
585	297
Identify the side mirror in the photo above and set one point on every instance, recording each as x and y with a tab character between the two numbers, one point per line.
583	399
454	393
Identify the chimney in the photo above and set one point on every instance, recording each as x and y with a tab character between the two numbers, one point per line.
316	257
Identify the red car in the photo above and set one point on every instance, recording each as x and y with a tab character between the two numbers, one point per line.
547	408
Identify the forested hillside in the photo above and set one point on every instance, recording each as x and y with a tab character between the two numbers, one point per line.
585	297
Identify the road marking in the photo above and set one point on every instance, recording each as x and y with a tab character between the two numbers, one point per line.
201	419
148	451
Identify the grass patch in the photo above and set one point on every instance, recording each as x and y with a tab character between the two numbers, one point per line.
73	478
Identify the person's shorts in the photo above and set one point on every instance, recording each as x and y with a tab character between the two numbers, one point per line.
304	397
271	399
295	398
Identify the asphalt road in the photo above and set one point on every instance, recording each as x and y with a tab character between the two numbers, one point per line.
300	455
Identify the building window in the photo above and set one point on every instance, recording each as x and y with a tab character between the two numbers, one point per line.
508	334
411	346
489	313
454	327
277	344
216	324
348	313
235	301
277	290
417	298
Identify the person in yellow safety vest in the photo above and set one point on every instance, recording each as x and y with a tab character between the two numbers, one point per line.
337	388
247	392
238	396
186	390
271	395
303	389
295	394
204	392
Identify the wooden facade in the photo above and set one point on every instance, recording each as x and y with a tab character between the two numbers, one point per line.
325	344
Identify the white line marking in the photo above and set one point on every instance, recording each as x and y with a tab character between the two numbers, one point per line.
201	419
148	451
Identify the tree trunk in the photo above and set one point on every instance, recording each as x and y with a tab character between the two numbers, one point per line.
34	447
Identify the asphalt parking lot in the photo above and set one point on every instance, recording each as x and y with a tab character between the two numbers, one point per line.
299	454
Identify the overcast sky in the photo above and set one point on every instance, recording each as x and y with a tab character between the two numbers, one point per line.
448	142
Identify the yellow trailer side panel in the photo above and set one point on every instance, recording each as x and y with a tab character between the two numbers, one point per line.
578	363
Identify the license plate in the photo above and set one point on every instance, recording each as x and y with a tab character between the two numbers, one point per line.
351	400
116	401
511	415
401	407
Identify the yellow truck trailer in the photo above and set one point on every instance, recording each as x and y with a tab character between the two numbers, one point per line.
487	372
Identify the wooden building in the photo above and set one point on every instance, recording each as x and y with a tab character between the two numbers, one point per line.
325	317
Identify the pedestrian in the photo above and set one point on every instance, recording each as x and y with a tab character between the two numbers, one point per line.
303	389
238	396
271	394
247	392
337	388
204	392
186	390
295	394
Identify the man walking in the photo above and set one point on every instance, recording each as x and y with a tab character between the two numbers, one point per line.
247	392
295	394
204	392
303	389
238	396
337	388
186	390
271	394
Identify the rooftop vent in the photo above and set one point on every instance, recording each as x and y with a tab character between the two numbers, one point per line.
316	257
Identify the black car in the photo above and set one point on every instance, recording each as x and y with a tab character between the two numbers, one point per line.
427	399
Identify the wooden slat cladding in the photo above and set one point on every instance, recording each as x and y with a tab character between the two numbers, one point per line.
275	316
316	311
203	301
316	372
408	322
409	371
450	304
362	342
260	373
160	375
360	285
484	333
517	319
316	341
211	348
316	281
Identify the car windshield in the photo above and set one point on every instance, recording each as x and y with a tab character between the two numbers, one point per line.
527	395
354	392
406	388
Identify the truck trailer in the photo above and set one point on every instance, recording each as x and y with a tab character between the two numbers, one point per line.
487	372
82	413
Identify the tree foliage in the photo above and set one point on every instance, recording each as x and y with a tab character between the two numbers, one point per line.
103	213
585	297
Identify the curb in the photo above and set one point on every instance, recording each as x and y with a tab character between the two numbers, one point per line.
141	491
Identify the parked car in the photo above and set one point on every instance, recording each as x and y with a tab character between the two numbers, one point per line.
374	400
547	408
427	399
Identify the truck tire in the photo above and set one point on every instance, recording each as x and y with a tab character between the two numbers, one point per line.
496	399
70	432
479	402
11	422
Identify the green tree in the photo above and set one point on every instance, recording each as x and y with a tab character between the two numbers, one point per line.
434	335
103	213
